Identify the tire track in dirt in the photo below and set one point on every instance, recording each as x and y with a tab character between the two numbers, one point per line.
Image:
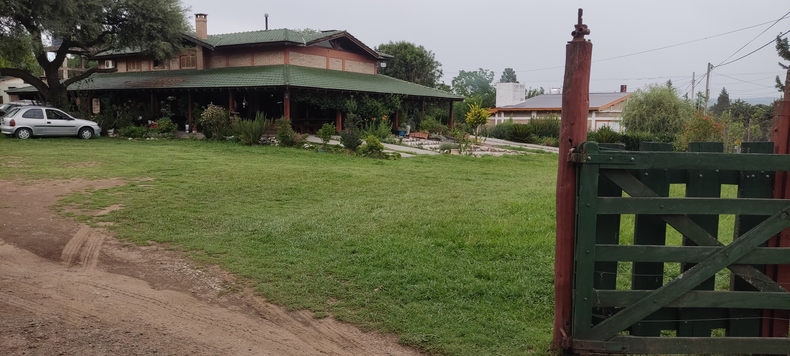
62	278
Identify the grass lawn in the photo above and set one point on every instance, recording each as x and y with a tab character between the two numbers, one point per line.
454	254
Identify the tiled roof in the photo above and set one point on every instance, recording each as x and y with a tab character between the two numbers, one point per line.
256	77
554	101
265	36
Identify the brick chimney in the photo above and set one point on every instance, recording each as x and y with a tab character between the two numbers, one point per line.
201	27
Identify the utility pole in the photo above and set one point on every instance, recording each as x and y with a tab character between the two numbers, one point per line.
707	87
693	85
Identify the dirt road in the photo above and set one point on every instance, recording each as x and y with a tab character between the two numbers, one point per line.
70	289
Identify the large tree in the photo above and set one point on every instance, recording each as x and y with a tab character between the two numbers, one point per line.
783	49
50	31
508	76
722	103
656	110
476	86
411	63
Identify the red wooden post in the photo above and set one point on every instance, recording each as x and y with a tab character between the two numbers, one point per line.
339	121
781	137
573	131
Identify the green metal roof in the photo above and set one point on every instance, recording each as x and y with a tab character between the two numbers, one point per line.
265	37
254	77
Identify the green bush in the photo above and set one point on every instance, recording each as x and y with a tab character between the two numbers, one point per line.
164	128
372	147
546	126
216	122
605	135
326	131
501	131
634	139
351	139
431	125
521	133
381	128
133	131
548	141
249	132
286	136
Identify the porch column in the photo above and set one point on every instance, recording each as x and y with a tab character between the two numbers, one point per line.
423	107
397	121
230	103
452	119
339	121
153	103
287	103
190	120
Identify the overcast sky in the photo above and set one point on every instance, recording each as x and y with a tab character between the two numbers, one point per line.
530	36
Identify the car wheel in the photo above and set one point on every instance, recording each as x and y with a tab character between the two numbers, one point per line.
24	134
86	133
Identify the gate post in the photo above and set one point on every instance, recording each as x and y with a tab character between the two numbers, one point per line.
573	131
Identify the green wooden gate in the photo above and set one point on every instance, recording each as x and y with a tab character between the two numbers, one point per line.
656	294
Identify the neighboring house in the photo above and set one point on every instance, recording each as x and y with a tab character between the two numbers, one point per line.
267	71
8	83
605	109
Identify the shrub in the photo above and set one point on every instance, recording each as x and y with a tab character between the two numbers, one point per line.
476	117
351	137
431	125
326	131
546	126
700	128
548	141
249	132
381	128
445	147
634	139
163	128
286	136
216	122
521	133
501	131
605	135
133	131
372	147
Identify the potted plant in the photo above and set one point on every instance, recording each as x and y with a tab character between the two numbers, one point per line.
402	129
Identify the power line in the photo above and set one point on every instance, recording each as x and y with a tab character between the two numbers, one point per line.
756	37
752	52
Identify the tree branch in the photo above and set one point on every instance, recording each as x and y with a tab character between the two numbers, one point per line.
86	74
27	77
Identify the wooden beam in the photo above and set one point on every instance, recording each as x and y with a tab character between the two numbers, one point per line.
452	116
674	254
573	131
691	230
687	280
685	345
699	299
712	206
339	121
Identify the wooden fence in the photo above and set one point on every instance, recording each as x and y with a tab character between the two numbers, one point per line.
638	287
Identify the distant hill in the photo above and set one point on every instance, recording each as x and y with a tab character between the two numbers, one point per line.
762	100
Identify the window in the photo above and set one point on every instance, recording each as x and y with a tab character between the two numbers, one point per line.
33	114
188	61
159	64
56	115
133	65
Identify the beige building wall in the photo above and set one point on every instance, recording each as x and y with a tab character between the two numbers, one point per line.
307	60
264	58
360	67
121	65
335	64
217	61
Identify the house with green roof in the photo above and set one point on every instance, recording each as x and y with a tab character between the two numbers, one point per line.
272	71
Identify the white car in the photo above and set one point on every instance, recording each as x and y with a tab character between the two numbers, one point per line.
27	121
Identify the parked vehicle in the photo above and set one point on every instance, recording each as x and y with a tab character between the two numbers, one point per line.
27	121
4	108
